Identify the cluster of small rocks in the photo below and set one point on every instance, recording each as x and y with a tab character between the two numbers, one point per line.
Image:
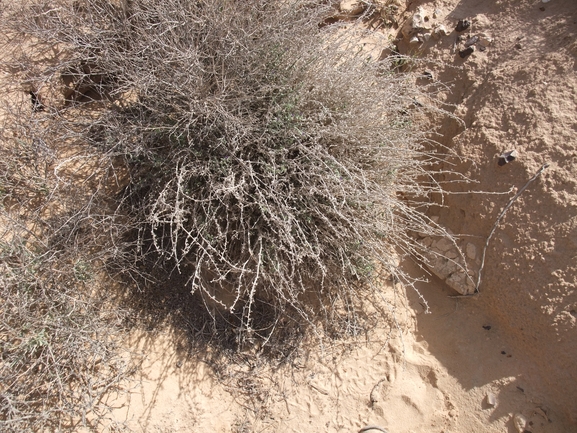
423	26
426	24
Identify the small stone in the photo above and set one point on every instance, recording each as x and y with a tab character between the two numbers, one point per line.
418	24
491	399
426	36
520	422
471	251
415	40
352	7
463	54
545	1
418	21
437	13
427	241
439	31
472	41
443	245
428	74
507	157
485	39
463	25
518	46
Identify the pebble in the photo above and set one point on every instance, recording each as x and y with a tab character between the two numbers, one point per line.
472	41
439	31
466	52
507	157
491	399
352	7
520	422
463	25
428	74
471	251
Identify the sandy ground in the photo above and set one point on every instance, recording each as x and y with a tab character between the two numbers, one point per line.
435	378
474	363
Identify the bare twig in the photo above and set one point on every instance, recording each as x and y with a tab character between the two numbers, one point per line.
498	220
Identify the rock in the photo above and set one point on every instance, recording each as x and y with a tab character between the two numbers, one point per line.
437	13
507	157
463	54
439	31
352	7
428	75
418	20
414	40
419	24
471	251
463	25
427	241
445	260
443	245
472	41
481	22
491	399
520	422
485	39
461	282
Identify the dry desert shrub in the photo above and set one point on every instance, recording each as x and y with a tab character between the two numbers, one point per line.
267	154
59	354
255	151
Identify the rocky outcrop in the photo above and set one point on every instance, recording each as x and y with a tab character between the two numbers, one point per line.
452	261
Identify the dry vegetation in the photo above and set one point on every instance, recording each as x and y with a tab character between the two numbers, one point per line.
243	149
